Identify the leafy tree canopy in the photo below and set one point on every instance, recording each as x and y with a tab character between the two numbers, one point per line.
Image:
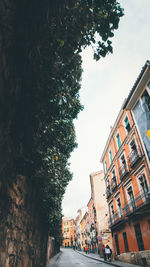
41	74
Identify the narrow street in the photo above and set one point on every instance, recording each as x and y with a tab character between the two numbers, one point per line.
71	258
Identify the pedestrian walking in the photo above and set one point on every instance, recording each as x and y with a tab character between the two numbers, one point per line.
103	252
108	252
86	249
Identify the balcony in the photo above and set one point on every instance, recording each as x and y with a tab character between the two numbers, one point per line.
123	172
134	157
108	192
114	183
116	220
139	204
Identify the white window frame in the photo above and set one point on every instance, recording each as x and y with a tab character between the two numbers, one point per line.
126	115
126	188
138	178
119	213
110	210
113	169
137	147
123	154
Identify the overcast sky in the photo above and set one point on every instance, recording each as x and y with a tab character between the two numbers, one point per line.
105	85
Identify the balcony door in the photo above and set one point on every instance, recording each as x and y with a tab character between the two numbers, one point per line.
144	185
131	197
119	208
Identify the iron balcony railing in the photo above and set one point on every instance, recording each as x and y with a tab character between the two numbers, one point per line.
134	157
139	200
114	183
111	188
115	217
108	191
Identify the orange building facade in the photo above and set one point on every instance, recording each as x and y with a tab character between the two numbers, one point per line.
68	232
127	177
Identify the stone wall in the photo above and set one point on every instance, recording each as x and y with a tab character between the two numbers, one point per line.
52	249
140	258
23	238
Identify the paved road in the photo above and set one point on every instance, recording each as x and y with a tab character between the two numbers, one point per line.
70	258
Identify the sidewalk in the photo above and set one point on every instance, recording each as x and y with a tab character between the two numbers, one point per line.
113	263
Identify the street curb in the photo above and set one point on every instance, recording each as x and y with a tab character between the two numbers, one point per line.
107	262
58	255
90	257
54	258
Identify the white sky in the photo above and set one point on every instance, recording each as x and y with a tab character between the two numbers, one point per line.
105	85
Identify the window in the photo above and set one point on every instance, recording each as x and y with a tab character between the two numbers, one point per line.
108	187
110	156
139	236
119	208
123	161
134	154
133	146
114	180
106	169
127	124
112	212
118	140
123	170
125	242
108	183
144	185
67	229
131	197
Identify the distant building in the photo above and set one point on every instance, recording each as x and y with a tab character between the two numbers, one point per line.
78	230
68	232
83	231
92	240
127	175
99	226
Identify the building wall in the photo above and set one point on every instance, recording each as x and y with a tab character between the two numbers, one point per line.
120	200
82	233
91	211
68	231
78	230
101	207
